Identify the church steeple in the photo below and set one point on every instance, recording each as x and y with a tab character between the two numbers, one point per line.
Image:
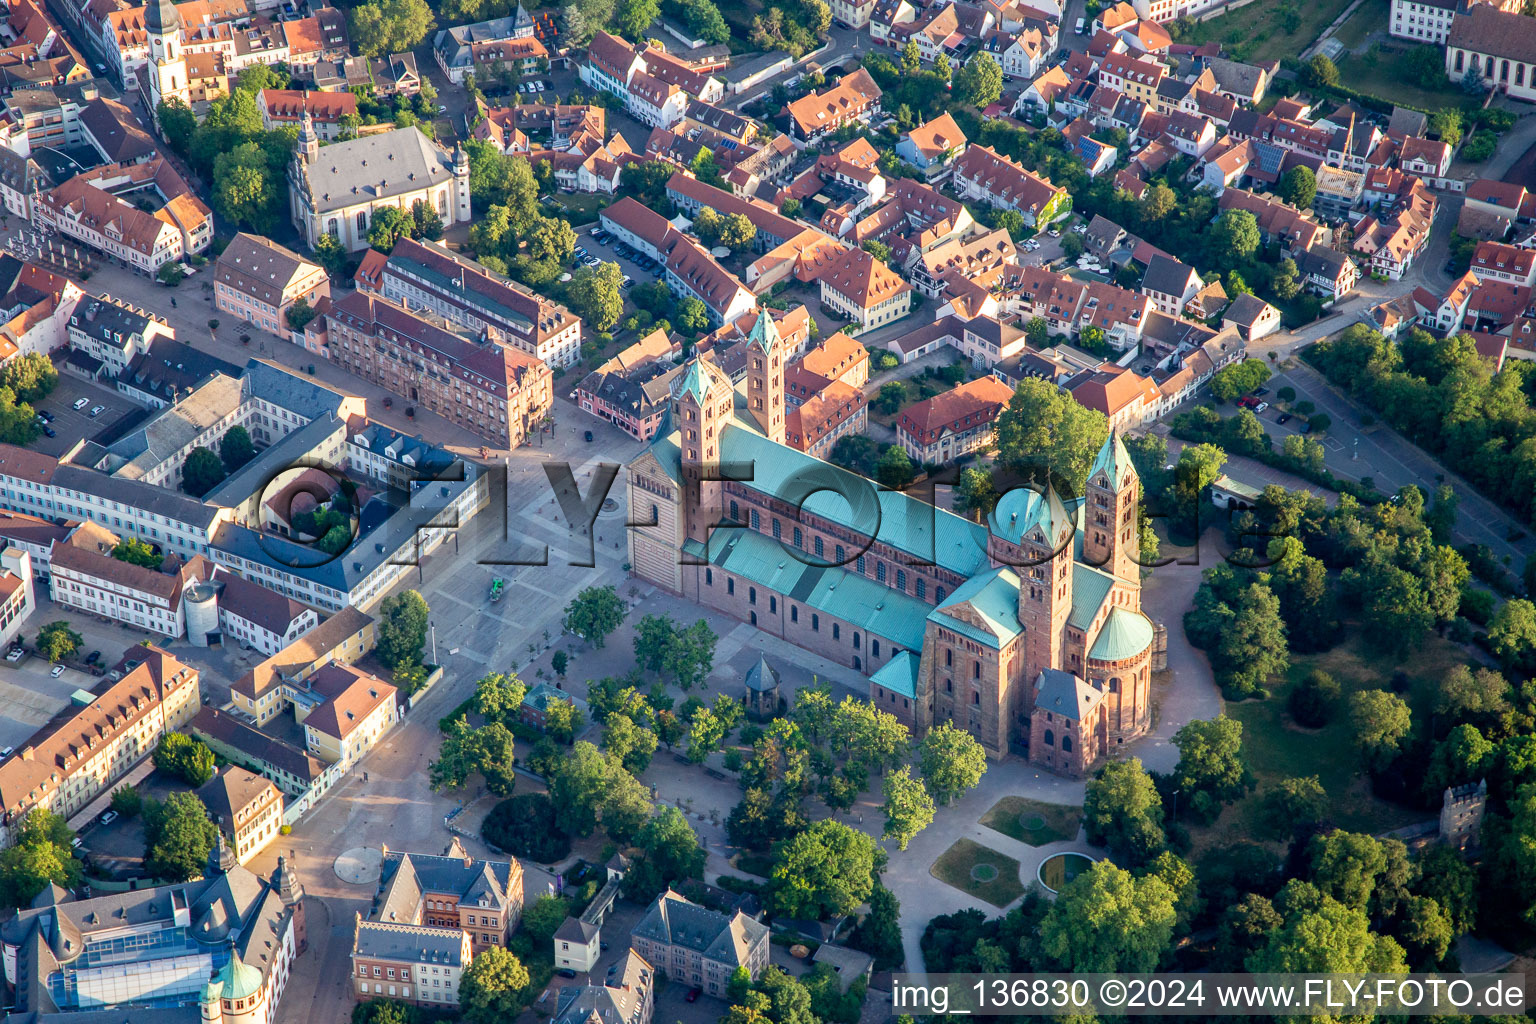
167	62
1111	532
765	376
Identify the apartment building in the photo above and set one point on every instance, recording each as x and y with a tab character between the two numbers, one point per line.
958	422
693	273
429	275
258	280
855	97
114	332
247	808
488	46
91	209
268	688
90	745
495	390
18	596
329	112
699	947
255	617
1495	261
86	576
1429	21
626	996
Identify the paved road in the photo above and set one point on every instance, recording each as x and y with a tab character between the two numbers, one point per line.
1391	461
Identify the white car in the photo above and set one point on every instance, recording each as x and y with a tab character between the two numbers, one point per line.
1261	407
58	670
538	86
81	403
15	655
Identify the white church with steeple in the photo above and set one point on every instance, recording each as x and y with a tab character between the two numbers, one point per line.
167	60
337	189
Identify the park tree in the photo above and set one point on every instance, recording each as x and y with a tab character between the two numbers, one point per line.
499	696
737	232
1320	934
979	82
1298	186
1480	697
1465	755
824	871
597	295
1044	428
30	376
1123	812
389	224
493	986
690	655
952	762
178	837
975	494
1243	633
243	191
188	759
669	855
595	613
1107	920
879	934
1380	721
1512	635
632	744
1287	280
382	27
578	787
563	720
201	472
57	641
1292	805
402	629
39	856
524	826
908	807
1211	770
1300	584
235	448
178	125
894	468
1445	124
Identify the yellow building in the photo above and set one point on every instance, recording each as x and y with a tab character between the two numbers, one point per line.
354	710
269	687
247	808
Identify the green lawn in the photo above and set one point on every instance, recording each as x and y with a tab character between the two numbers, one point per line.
1255	31
1277	748
1033	822
979	871
1369	17
1374	73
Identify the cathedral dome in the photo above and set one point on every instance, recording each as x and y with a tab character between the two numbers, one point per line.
1125	635
1022	509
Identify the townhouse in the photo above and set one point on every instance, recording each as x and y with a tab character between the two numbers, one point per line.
90	209
932	146
331	113
113	332
1125	398
259	281
247	808
1069	306
1327	272
1133	76
354	711
699	947
692	272
983	175
508	42
1296	230
656	88
1251	317
1499	262
953	423
1170	285
87	576
855	97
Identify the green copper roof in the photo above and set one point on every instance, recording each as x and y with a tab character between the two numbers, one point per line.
1113	460
1090	587
765	333
238	980
696	380
899	675
1125	635
994	596
1022	509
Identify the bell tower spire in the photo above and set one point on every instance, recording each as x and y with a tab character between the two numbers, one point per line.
765	377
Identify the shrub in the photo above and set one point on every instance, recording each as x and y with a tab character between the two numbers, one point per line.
1311	701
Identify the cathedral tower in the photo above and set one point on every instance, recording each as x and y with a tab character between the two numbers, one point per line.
1032	533
702	401
167	62
765	377
1111	532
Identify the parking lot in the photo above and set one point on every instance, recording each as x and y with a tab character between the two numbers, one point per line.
30	695
117	415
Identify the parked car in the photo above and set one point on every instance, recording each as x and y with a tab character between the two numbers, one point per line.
588	436
1283	417
1261	391
97	410
109	817
539	86
50	432
7	752
58	670
93	657
1261	407
15	654
693	994
45	415
81	403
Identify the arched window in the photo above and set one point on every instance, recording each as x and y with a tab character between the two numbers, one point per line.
778	529
331	227
1050	738
859	565
754	618
751	595
855	639
949	686
735	513
949	657
976	697
709	577
938	595
874	648
922	588
901	580
976	670
1114	685
773	604
858	666
818	545
798	537
1066	744
756	523
842	556
880	572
